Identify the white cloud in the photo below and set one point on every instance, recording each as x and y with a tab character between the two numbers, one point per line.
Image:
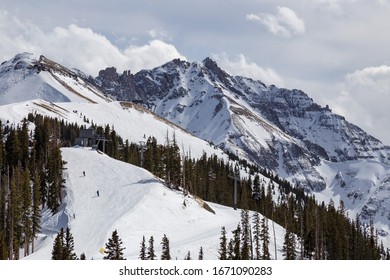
151	55
285	22
334	6
241	67
365	99
79	47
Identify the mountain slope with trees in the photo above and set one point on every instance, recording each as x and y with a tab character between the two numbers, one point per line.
35	130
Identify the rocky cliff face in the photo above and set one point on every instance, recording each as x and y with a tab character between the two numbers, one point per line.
121	86
280	129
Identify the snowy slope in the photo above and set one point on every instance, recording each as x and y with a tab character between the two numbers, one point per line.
26	78
135	203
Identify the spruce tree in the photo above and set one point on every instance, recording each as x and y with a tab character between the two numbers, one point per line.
165	255
245	236
188	256
58	246
200	257
151	255
223	245
63	246
230	250
256	235
36	211
142	253
26	211
264	237
289	245
69	246
237	243
114	249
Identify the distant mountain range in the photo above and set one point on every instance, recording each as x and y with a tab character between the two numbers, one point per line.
279	129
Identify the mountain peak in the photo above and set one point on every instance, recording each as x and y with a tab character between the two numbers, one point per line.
23	60
212	66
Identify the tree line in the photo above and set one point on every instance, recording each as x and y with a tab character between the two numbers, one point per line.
63	248
31	181
320	230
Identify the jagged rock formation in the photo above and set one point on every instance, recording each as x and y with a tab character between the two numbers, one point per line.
280	129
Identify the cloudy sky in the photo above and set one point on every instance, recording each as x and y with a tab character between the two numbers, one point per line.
337	51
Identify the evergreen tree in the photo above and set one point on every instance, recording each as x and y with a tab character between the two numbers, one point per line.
165	255
83	257
289	245
63	246
58	247
188	256
142	254
245	236
264	237
54	179
114	249
223	245
36	211
68	253
256	235
12	146
230	250
237	243
200	257
151	255
26	211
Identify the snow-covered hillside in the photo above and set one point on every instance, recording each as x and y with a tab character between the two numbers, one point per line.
137	204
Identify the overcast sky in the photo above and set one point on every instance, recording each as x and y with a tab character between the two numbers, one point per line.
337	51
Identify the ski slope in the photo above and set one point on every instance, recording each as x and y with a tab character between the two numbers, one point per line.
136	204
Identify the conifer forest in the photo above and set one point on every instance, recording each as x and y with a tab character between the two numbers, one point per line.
32	181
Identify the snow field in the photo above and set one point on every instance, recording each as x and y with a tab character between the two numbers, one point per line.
137	204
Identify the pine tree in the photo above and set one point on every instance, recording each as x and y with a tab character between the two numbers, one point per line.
36	211
236	241
63	246
289	245
256	235
26	211
142	253
188	256
200	257
68	253
114	249
54	179
264	237
245	236
230	250
165	255
223	245
58	247
151	255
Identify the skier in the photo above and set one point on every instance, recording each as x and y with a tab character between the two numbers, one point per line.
84	173
97	193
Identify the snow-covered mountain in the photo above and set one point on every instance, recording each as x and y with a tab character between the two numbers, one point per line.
280	129
39	85
283	130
